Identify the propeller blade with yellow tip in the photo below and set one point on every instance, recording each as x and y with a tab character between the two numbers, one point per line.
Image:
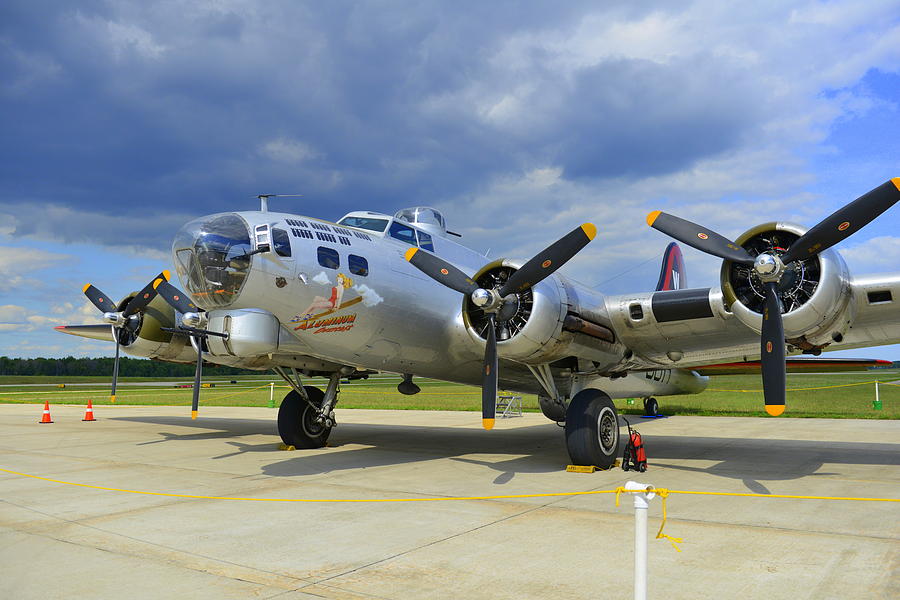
705	240
549	260
845	222
489	376
143	298
99	299
441	271
772	364
175	297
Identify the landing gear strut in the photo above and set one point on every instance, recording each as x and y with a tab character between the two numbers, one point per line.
306	416
592	429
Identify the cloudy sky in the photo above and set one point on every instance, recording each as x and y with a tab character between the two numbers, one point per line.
519	120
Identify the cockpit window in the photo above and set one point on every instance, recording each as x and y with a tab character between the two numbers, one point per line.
403	233
425	241
281	242
212	258
364	223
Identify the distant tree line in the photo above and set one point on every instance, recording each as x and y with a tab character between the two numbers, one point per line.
128	367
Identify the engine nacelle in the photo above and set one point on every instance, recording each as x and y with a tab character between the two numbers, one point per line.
143	335
816	291
529	326
545	322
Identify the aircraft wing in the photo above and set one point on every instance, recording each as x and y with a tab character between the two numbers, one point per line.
693	328
94	332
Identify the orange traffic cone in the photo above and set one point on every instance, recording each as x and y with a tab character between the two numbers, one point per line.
89	412
45	418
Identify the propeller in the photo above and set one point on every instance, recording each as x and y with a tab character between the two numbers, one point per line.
771	266
492	301
122	321
191	318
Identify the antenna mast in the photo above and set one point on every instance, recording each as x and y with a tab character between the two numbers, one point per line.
264	199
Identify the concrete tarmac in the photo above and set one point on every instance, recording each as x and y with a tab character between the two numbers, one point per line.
66	541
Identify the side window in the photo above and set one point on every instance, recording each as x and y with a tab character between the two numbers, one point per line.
328	257
425	241
358	265
403	233
282	242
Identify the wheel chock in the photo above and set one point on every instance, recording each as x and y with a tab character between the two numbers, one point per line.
581	469
590	468
285	447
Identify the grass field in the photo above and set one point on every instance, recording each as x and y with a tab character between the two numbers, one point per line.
844	395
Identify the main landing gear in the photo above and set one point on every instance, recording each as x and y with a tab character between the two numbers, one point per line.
306	414
592	429
299	424
651	407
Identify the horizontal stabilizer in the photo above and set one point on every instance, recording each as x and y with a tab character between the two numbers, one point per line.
796	365
94	332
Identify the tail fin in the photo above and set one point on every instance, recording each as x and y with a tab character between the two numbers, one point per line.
672	275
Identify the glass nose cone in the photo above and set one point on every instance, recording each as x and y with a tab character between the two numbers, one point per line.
212	258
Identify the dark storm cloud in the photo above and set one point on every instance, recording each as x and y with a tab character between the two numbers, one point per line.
144	111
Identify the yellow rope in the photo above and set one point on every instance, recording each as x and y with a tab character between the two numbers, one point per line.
788	496
237	393
662	492
824	387
362	500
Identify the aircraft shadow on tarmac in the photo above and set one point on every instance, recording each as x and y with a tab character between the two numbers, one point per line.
537	449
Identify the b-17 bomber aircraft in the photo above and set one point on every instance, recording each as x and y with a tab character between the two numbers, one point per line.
308	298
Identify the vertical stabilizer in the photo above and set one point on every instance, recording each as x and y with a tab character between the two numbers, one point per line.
672	275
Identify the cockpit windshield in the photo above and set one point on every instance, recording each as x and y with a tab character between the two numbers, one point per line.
212	258
369	223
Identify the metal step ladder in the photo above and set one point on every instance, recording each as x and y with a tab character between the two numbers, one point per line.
509	405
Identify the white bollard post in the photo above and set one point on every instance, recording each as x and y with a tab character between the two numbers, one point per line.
642	495
271	395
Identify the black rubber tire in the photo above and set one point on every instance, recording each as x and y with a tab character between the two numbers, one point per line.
651	407
642	467
297	420
590	419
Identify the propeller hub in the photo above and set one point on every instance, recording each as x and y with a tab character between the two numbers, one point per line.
114	318
481	297
192	319
769	267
